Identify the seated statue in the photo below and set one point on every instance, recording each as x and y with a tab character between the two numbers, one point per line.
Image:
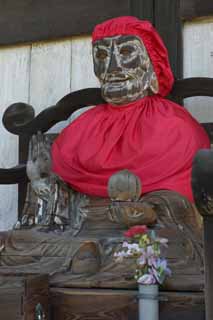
122	163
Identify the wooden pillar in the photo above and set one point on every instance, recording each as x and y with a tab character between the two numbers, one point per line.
202	185
168	23
142	9
208	257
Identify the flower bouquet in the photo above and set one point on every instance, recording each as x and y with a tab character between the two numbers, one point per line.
144	246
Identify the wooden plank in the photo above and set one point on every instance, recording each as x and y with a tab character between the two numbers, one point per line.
14	79
49	74
190	9
168	24
20	295
28	21
82	74
142	9
121	304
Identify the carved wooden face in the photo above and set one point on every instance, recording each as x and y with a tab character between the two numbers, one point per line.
124	69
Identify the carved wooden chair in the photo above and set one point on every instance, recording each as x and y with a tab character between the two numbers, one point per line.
118	304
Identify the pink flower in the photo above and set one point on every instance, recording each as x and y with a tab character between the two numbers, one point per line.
135	230
141	260
150	251
147	279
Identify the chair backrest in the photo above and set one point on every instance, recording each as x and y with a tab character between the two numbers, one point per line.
193	87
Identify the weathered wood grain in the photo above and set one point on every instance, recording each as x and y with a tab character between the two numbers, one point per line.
208	244
193	87
198	62
190	9
121	305
143	9
14	79
202	185
29	21
168	24
13	175
19	296
82	74
49	74
51	115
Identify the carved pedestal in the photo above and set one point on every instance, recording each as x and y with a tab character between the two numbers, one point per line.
24	297
96	304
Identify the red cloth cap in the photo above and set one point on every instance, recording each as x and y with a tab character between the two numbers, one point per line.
154	45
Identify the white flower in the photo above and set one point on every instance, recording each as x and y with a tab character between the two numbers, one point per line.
120	255
125	244
150	251
162	241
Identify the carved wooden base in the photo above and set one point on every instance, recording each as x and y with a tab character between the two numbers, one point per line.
24	297
97	304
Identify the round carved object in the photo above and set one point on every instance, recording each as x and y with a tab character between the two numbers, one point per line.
123	186
17	115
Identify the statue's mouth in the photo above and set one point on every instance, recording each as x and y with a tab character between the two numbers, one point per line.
117	79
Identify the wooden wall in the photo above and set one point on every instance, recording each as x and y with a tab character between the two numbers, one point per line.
198	62
39	74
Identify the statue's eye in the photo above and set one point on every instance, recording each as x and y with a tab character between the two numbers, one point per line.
101	54
126	50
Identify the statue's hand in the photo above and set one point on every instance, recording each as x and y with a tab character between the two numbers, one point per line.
39	158
132	213
124	189
39	165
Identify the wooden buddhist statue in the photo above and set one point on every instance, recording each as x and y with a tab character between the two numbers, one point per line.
124	162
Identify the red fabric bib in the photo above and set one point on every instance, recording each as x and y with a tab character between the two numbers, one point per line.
153	137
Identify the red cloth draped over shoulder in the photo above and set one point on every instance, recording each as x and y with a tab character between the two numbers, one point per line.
153	137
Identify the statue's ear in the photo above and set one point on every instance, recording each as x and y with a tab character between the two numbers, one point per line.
154	86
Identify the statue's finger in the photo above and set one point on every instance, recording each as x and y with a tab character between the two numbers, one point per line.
40	141
34	147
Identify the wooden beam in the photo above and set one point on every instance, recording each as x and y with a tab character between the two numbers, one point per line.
29	21
193	87
142	9
190	9
48	117
13	175
168	24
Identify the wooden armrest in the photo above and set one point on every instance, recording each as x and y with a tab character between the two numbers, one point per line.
13	175
193	87
19	117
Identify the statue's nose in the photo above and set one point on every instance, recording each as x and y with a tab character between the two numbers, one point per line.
114	64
